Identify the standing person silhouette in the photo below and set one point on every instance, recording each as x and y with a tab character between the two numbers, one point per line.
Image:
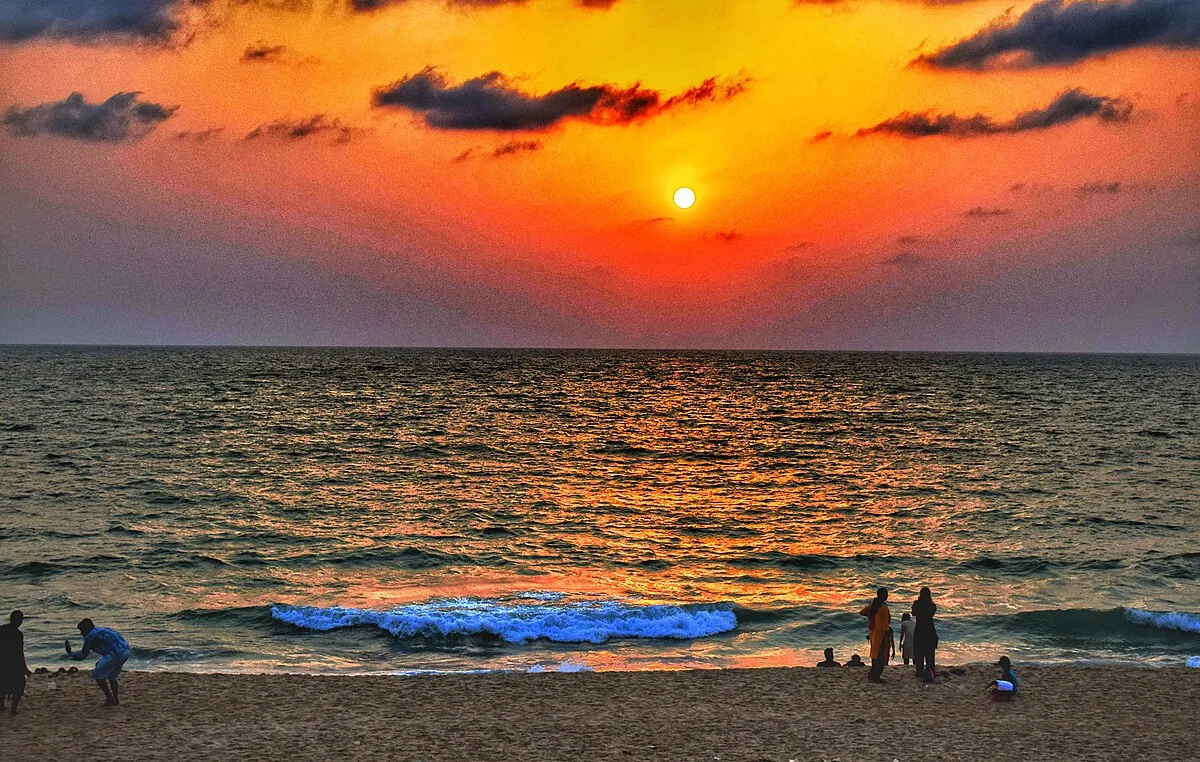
925	637
879	626
13	669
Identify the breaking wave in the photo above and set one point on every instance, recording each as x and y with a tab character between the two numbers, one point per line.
581	622
1166	620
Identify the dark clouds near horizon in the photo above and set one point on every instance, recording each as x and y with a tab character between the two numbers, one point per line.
123	117
493	102
1068	106
299	129
1055	33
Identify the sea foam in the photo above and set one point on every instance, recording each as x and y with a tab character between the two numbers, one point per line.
570	665
582	622
1167	620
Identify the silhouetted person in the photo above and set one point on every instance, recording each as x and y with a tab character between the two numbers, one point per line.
879	632
113	650
829	662
13	669
1005	687
855	661
925	637
907	623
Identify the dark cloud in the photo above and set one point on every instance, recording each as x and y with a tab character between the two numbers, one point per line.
656	220
801	246
514	147
299	129
906	260
1068	106
1095	189
123	117
1113	188
1037	189
465	155
1053	32
368	6
983	211
727	236
821	136
200	136
261	52
493	102
84	21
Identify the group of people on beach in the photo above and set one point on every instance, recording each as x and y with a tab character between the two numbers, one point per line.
918	635
113	649
918	644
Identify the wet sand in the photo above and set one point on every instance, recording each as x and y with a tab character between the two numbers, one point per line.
1064	713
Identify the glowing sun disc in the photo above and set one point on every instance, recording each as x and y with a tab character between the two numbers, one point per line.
684	198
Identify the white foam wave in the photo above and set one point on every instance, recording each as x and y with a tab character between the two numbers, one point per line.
542	595
583	622
570	665
1167	620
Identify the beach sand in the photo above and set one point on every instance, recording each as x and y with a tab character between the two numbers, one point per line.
1064	713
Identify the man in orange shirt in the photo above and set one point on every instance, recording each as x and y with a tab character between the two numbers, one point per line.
879	624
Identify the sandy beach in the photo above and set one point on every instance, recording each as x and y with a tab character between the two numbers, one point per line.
1064	713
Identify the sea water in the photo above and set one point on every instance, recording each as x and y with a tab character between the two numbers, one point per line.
379	510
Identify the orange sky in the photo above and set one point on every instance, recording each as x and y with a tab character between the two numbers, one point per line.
576	241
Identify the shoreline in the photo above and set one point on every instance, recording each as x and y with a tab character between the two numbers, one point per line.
797	713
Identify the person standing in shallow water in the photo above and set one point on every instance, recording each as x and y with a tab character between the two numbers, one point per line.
925	637
879	625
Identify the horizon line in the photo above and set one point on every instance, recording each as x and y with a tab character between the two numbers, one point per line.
515	348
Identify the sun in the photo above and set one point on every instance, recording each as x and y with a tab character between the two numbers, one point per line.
684	197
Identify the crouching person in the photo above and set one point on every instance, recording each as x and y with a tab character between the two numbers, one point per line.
113	650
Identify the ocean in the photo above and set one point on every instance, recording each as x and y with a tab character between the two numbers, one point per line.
405	511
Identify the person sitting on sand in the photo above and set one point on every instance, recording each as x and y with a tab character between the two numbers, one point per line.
829	662
13	669
855	661
1005	688
907	623
879	632
113	650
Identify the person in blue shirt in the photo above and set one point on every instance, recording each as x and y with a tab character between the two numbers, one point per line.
113	650
1005	688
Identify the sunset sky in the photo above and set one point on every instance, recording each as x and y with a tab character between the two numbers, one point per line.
870	174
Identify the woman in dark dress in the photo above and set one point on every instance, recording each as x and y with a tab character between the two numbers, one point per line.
925	637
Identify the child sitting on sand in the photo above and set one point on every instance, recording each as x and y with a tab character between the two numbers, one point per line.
855	661
1006	687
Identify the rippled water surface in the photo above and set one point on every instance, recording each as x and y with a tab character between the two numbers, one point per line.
396	510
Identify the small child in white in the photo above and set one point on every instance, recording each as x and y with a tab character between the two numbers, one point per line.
907	625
